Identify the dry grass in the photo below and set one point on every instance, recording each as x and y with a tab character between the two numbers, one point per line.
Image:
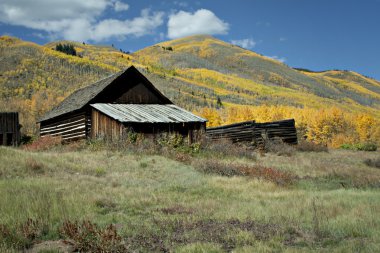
163	203
373	162
308	146
213	166
279	148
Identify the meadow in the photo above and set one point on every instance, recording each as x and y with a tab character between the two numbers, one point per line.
101	198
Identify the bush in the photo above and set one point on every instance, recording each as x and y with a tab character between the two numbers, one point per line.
89	237
24	234
225	148
308	146
66	48
276	176
366	147
34	166
44	143
27	139
360	146
278	147
373	162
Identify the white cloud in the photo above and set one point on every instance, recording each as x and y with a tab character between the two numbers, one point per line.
49	15
77	20
202	21
139	26
244	43
277	58
120	6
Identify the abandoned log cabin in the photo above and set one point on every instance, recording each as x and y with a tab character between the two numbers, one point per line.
9	129
125	101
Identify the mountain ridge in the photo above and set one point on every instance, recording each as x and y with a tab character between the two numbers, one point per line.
194	72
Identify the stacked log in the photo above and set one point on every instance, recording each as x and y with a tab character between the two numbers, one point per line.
255	133
239	132
284	130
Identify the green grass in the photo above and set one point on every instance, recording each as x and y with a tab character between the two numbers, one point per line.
157	203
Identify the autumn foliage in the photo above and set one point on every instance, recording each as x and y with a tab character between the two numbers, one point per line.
332	126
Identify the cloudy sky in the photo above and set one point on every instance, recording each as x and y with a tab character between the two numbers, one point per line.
318	35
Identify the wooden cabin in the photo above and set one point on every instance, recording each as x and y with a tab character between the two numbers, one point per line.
9	129
125	101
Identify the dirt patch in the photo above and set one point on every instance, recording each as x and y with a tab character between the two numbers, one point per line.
62	246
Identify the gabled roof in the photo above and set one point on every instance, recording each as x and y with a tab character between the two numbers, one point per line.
147	113
82	97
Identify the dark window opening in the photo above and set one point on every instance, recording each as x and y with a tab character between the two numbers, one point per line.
1	139
9	139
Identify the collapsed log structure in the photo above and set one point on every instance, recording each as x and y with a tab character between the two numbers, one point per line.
255	133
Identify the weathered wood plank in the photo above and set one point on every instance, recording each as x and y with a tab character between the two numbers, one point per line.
249	131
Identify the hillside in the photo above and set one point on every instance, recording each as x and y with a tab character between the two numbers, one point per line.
243	77
193	72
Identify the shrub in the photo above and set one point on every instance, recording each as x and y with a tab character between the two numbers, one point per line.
99	172
66	48
278	147
171	140
308	146
89	237
27	139
44	143
223	148
366	147
24	234
279	177
210	166
373	162
34	166
360	146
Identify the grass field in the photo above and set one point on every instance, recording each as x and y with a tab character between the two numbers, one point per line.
126	201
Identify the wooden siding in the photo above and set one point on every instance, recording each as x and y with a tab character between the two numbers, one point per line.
105	127
70	128
9	129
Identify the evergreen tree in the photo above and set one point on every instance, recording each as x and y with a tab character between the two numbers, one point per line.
66	48
219	103
59	47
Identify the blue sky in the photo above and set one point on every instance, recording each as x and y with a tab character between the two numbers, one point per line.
318	35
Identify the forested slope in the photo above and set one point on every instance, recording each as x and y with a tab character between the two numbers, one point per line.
220	81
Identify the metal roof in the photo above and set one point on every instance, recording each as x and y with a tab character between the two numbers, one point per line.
147	113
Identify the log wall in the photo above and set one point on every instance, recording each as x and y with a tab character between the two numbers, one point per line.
255	133
71	128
